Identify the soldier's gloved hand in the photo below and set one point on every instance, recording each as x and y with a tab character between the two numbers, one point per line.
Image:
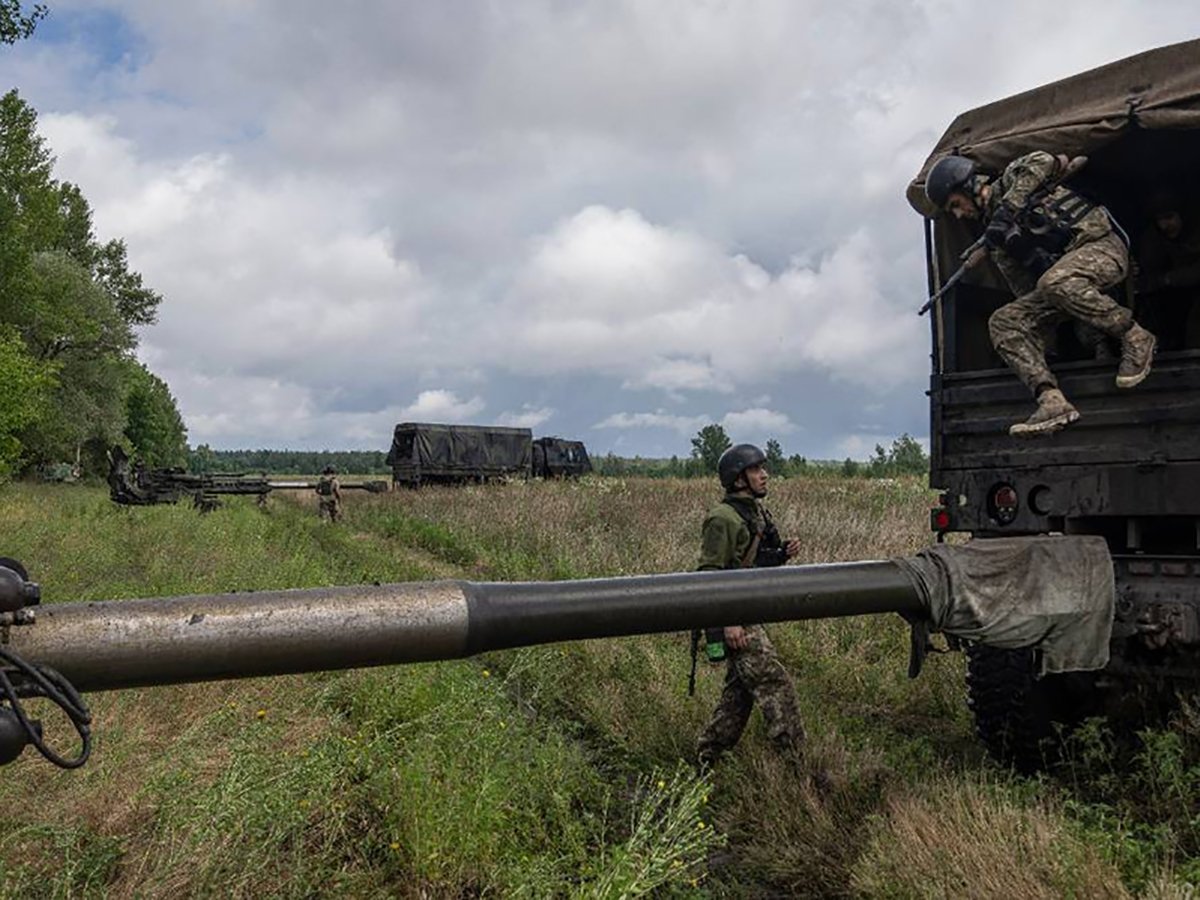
791	548
1001	228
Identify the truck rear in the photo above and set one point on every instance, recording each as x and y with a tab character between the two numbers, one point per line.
1129	469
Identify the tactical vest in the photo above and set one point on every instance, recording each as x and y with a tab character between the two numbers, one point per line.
325	487
770	551
1047	228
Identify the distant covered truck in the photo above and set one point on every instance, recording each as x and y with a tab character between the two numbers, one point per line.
424	453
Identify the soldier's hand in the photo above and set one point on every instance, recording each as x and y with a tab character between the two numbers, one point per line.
736	637
791	548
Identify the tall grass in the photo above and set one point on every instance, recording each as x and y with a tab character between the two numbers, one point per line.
559	770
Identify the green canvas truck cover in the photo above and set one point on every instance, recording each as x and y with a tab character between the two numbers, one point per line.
1158	89
423	450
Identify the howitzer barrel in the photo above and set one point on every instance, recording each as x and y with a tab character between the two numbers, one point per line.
115	644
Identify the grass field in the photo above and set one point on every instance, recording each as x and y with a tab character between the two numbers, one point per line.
557	771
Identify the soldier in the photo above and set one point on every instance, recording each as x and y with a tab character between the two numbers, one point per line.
329	494
1058	252
1170	248
737	533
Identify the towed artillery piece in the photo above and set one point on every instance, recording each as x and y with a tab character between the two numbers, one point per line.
57	650
136	486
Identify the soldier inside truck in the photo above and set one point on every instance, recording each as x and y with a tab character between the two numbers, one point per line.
1139	178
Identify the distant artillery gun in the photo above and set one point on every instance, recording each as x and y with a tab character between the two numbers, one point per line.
137	486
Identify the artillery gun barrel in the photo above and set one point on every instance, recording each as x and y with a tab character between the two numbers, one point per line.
105	645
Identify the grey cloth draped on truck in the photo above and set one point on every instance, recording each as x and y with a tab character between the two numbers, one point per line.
1053	593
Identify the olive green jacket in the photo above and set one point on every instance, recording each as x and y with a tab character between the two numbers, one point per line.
725	537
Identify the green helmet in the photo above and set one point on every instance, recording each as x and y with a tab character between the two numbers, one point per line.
949	174
736	460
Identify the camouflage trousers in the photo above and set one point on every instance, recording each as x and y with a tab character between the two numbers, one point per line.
753	674
329	508
1070	289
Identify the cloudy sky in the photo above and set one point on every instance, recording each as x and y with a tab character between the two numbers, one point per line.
616	220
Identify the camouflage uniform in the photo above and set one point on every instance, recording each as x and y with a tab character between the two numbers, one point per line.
329	496
1094	259
755	673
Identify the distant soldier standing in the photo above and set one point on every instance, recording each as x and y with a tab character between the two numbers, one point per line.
739	533
329	495
1058	252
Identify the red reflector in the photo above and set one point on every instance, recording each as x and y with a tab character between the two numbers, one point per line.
1005	497
941	519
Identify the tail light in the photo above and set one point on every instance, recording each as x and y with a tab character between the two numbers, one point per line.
1003	503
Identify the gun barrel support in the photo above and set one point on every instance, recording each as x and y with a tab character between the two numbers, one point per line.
106	645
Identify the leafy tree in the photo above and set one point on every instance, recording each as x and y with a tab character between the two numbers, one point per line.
905	457
153	424
75	304
25	386
797	464
15	24
850	468
776	463
708	445
908	456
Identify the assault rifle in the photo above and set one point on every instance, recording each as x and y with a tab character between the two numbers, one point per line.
977	252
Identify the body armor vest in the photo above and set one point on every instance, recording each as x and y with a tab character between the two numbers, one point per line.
770	551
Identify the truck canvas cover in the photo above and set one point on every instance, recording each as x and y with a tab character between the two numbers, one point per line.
425	452
1156	90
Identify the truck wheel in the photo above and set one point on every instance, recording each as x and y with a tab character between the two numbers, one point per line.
1019	718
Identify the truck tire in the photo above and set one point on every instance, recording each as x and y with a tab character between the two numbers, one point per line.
1019	718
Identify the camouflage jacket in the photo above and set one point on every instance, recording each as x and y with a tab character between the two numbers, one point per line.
1023	177
725	537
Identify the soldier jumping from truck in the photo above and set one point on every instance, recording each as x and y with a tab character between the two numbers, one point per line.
1058	252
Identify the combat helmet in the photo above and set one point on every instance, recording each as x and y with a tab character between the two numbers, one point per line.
949	174
736	460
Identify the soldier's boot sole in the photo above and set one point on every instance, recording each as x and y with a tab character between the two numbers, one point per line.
1128	381
1046	426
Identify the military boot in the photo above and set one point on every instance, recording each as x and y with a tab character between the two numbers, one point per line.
1054	413
1137	353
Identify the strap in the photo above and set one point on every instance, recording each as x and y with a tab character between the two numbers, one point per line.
752	551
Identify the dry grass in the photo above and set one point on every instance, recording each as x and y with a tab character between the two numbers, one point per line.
969	839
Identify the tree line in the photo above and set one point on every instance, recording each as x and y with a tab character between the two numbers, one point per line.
70	384
204	460
905	456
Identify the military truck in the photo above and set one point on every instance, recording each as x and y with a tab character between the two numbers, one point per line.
1129	469
426	453
555	457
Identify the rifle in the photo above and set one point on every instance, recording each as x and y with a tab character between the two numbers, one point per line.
971	257
976	253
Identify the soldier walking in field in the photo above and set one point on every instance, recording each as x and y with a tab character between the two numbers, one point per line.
739	533
329	495
1058	252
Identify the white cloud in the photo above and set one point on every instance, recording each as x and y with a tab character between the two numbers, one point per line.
686	425
528	417
441	406
757	421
